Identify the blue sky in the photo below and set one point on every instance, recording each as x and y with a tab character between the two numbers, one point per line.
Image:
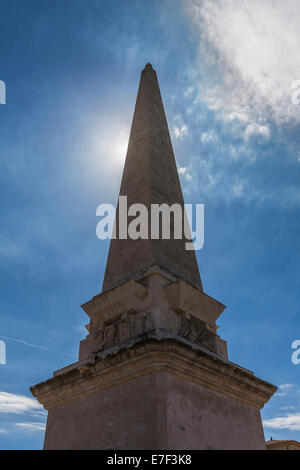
71	69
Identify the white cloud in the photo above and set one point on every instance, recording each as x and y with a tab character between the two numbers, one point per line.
238	188
32	426
185	173
189	91
283	389
256	129
290	421
214	177
208	137
180	132
248	59
255	46
20	404
182	170
231	116
11	403
285	386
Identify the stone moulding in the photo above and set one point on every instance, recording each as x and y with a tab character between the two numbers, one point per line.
117	301
130	296
155	302
183	298
196	366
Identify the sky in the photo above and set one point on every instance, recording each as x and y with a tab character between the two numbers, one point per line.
71	69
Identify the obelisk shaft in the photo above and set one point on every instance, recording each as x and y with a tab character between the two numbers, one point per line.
150	177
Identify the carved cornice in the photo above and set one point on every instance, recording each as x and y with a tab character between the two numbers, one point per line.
166	355
133	309
183	298
117	301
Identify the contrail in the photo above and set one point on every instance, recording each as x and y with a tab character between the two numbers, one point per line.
9	338
27	344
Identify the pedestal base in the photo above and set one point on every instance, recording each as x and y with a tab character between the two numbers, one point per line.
156	395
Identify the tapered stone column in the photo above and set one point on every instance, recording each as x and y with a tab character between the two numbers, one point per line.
152	372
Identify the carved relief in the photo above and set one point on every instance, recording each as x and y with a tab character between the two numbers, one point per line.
195	333
123	330
119	331
109	335
130	326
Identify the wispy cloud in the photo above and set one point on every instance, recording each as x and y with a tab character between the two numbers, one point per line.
18	404
283	389
180	132
185	173
256	129
31	426
21	405
285	386
254	46
238	100
289	416
209	136
289	421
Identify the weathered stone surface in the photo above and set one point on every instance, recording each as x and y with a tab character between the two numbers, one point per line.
156	395
155	303
184	298
173	414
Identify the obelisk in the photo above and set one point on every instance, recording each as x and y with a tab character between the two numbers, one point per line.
152	372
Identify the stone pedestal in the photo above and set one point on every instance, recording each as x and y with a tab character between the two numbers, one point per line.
153	374
154	395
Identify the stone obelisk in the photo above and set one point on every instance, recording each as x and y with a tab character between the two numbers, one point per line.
152	372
